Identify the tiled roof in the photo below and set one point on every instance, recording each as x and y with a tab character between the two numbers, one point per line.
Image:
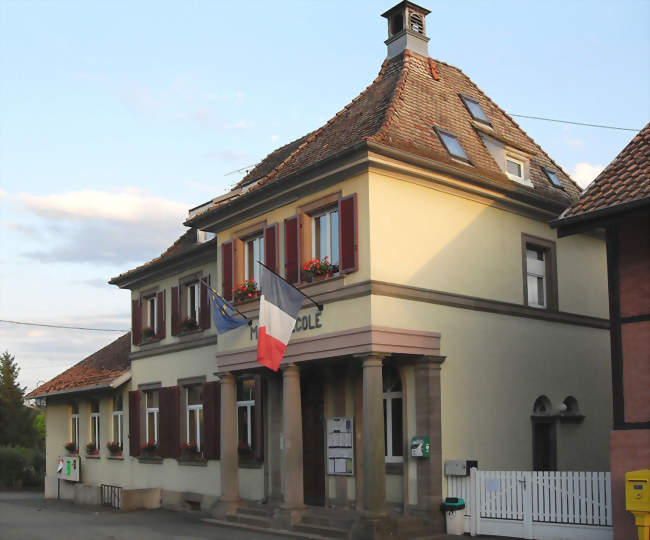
186	242
99	369
411	95
625	180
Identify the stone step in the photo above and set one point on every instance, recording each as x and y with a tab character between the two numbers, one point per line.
265	530
255	521
332	520
320	530
255	511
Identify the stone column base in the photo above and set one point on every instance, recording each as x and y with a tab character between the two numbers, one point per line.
225	508
374	528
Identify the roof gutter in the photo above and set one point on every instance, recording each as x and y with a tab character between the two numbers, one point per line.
115	383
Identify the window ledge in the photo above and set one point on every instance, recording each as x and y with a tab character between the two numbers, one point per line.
119	458
150	341
250	465
187	333
193	462
89	456
314	283
156	460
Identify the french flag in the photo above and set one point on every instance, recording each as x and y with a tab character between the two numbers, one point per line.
279	306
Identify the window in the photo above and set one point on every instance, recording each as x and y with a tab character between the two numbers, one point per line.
553	178
75	425
451	143
94	423
515	169
191	301
246	416
194	418
151	415
475	109
118	415
392	397
150	316
325	236
253	252
539	273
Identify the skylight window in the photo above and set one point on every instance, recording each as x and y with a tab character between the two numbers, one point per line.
475	109
553	178
451	144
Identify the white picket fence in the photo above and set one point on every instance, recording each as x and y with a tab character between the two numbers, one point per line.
542	505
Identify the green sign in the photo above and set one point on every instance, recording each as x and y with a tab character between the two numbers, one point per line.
420	447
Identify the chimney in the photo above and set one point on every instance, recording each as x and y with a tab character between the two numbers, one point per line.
406	29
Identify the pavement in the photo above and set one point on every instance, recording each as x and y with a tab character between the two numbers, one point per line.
26	515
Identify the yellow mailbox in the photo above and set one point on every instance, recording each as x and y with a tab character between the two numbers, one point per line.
637	500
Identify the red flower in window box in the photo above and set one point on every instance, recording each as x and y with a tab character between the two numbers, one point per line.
318	268
91	449
190	450
71	447
149	449
114	448
246	291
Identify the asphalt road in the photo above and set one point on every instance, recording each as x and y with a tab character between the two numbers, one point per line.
28	516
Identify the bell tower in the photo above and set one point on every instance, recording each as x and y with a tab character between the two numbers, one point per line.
407	29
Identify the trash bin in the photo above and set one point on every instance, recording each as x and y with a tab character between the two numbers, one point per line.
455	517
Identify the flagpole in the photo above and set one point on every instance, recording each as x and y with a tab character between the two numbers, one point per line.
250	322
319	306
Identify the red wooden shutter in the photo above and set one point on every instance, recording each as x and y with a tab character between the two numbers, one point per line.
211	420
226	270
169	422
258	443
176	312
136	322
271	247
161	330
291	250
204	305
134	423
349	258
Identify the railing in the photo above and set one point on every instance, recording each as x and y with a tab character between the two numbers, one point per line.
530	504
111	496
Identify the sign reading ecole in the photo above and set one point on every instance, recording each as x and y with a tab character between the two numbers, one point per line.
309	321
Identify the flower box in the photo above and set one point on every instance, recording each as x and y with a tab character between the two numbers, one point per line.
246	292
189	325
190	451
149	450
317	269
148	333
71	448
114	448
91	449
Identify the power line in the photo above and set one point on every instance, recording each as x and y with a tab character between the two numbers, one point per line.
62	326
574	123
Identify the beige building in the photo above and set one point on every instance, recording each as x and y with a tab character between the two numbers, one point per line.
452	311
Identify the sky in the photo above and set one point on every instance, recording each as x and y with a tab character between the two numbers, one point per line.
117	117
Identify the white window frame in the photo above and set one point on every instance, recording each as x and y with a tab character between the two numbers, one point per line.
155	411
197	301
388	399
537	269
119	414
94	429
315	239
74	426
197	419
521	179
151	319
248	404
260	249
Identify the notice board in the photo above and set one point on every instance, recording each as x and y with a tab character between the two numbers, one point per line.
340	446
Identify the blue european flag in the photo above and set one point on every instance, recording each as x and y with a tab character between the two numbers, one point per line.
222	313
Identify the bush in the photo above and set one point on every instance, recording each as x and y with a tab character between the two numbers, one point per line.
21	467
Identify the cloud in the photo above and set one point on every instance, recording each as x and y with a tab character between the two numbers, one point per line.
238	126
107	227
275	137
584	173
25	229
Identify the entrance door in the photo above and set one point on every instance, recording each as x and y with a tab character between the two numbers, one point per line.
313	437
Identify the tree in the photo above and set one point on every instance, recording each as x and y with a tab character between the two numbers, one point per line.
16	420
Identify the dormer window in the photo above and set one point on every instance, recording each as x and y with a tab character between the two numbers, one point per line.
475	109
515	169
450	141
553	178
